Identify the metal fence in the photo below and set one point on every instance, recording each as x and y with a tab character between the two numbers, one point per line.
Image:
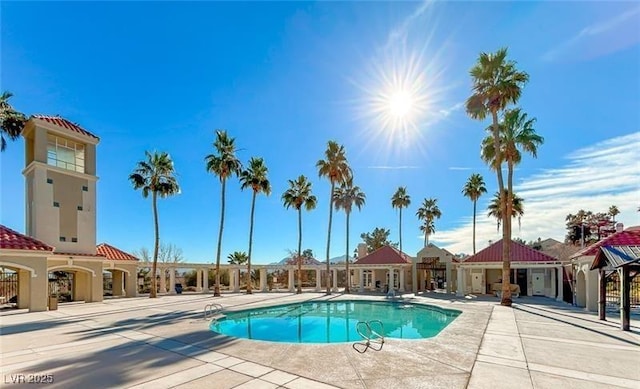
613	290
8	287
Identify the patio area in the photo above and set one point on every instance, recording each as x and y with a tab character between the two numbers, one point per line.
165	343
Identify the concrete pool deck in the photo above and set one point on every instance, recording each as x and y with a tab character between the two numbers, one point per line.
165	343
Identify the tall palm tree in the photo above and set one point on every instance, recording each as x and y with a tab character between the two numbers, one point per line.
400	200
497	83
428	212
254	177
11	121
298	196
155	176
427	228
613	212
516	211
473	189
223	164
336	169
345	197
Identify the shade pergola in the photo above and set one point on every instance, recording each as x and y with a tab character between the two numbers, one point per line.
625	259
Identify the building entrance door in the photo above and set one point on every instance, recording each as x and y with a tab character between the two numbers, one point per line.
476	282
537	282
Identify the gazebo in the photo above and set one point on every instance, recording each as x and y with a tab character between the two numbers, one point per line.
624	259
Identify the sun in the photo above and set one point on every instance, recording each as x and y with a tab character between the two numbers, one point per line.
401	104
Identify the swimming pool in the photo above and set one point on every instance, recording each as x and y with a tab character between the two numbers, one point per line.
333	321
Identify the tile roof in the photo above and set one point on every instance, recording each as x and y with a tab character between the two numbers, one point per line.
616	256
113	253
519	253
13	240
62	122
385	255
628	237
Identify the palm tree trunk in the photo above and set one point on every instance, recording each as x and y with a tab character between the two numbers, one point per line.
329	237
400	227
425	239
506	234
249	281
346	288
216	291
474	226
156	244
299	259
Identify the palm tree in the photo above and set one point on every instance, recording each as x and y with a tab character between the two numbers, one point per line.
427	228
155	176
473	189
238	258
336	169
516	211
255	177
223	164
11	121
428	212
298	196
345	197
497	83
613	212
400	200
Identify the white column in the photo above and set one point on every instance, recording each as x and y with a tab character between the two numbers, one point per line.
391	279
335	280
461	282
414	275
361	280
318	278
291	280
236	281
449	276
560	281
172	281
263	280
205	280
198	280
163	281
401	280
373	279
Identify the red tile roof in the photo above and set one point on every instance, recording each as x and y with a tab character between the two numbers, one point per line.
62	122
13	240
628	237
113	253
385	255
519	253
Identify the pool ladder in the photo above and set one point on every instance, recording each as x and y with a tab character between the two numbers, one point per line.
373	338
210	310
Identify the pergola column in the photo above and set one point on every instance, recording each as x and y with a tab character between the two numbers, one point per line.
414	276
236	281
391	279
560	282
401	289
602	295
318	279
461	282
172	281
291	280
263	280
335	279
205	280
373	279
361	280
198	280
163	281
117	282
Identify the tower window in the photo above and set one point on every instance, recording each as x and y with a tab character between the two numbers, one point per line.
56	204
79	207
74	240
65	153
85	188
49	180
63	239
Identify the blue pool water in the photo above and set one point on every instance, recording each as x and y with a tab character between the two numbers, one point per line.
333	321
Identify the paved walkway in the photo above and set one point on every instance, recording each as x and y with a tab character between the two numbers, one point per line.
165	343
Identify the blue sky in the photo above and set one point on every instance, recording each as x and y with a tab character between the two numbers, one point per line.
284	78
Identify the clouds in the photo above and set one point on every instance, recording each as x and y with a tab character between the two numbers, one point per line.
600	38
593	178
